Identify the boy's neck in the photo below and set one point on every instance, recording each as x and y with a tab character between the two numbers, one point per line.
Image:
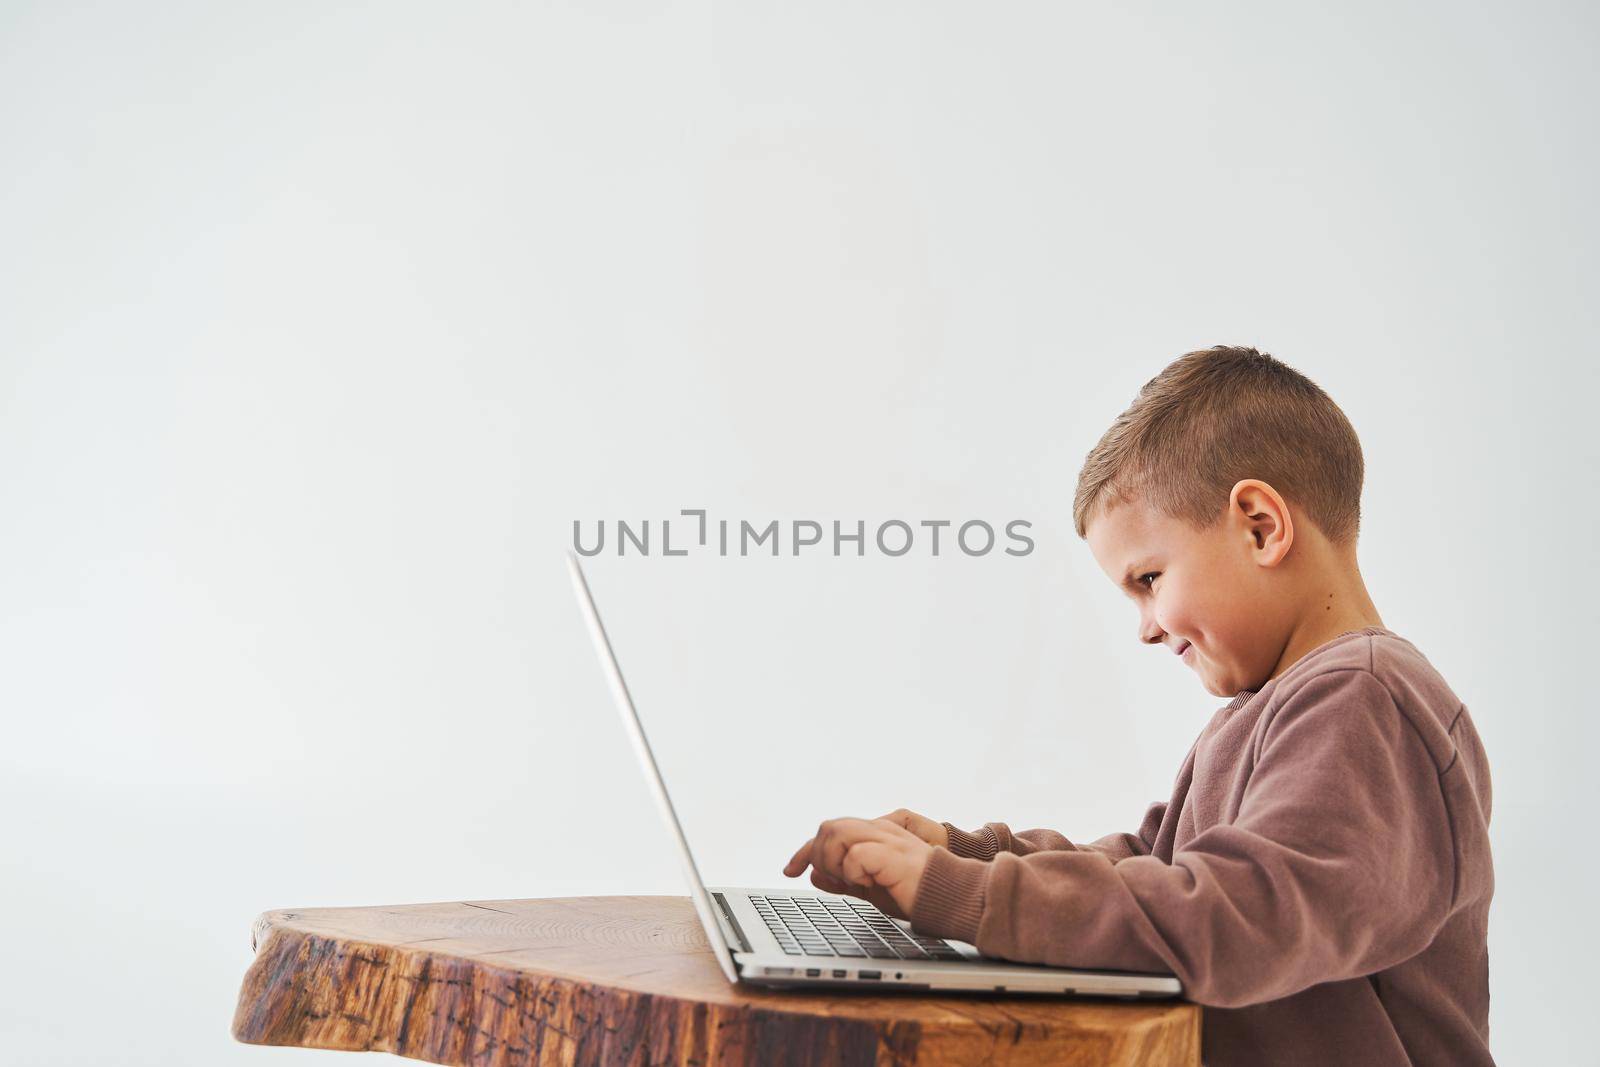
1335	603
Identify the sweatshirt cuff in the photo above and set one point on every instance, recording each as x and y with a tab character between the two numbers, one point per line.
983	845
949	901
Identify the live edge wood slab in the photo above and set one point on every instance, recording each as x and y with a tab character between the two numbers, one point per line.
631	980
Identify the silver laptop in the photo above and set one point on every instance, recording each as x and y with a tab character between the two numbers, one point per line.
784	939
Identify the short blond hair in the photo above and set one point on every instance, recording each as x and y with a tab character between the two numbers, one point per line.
1214	417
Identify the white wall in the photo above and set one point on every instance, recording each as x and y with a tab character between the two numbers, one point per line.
320	324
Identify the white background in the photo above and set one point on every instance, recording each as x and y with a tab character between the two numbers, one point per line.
320	324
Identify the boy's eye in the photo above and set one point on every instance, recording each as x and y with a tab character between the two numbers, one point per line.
1151	576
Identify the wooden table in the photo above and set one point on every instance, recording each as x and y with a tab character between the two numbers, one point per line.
631	980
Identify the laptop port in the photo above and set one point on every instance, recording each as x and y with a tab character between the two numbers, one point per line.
813	972
869	974
839	974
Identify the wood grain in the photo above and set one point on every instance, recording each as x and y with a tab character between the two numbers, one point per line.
631	980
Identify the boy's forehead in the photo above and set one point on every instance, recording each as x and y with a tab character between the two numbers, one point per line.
1124	532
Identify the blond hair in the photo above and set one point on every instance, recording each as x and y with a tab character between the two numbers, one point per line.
1217	416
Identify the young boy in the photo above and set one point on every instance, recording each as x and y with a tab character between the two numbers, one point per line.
1320	878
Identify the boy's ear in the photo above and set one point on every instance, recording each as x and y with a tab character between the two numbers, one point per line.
1263	516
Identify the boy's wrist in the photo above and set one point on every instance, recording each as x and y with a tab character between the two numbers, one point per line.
950	897
983	845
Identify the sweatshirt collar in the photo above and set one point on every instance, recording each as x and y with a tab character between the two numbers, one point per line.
1244	696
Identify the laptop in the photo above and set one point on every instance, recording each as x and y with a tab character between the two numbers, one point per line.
782	939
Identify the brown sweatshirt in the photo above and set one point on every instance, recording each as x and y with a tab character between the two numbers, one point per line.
1319	881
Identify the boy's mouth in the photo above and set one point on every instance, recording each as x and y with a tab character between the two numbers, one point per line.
1183	649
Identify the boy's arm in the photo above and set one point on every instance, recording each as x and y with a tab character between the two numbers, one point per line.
1123	846
996	837
1340	863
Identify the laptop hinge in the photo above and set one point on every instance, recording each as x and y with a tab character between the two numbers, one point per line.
730	925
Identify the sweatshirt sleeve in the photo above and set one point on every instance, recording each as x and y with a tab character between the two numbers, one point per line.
996	837
1338	863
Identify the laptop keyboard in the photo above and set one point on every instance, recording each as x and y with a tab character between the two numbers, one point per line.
847	926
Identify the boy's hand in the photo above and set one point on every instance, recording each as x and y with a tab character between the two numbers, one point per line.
879	860
930	830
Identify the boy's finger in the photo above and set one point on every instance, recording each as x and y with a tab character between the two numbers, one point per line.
798	862
853	865
838	835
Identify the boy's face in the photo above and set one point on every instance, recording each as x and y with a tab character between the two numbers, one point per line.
1208	598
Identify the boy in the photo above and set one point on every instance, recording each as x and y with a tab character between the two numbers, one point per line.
1320	878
